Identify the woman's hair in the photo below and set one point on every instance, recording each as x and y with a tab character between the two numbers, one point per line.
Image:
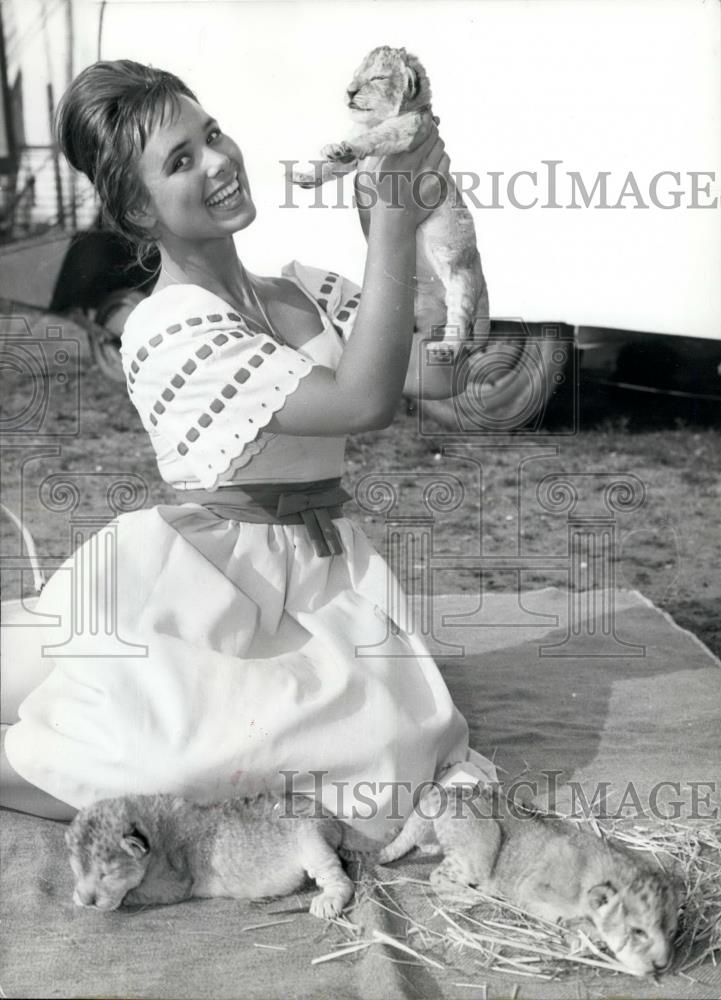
102	125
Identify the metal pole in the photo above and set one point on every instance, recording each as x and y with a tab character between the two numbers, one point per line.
8	159
69	79
56	161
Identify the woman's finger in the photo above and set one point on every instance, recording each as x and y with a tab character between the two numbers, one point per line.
417	153
435	155
444	165
429	142
433	187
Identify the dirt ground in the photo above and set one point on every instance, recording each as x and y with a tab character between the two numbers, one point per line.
70	435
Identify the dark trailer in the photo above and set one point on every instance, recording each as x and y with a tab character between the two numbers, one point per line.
49	260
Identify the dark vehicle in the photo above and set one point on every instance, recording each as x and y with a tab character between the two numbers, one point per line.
53	256
91	275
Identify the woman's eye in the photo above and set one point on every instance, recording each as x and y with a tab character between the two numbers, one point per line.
180	162
638	932
214	134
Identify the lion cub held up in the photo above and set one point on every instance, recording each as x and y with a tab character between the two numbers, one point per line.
389	99
163	849
548	867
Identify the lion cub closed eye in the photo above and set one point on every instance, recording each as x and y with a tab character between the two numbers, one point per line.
389	99
162	849
549	868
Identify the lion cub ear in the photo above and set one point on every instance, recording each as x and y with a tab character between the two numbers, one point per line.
602	895
411	84
135	843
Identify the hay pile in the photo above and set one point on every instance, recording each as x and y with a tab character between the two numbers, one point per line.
501	938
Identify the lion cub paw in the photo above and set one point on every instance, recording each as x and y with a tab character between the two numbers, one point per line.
328	905
339	152
445	351
453	881
306	178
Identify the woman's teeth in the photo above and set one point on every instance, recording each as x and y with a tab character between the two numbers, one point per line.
225	195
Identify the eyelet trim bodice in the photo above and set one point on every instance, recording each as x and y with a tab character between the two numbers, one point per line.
205	385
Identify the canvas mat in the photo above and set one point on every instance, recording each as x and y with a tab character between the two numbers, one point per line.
628	715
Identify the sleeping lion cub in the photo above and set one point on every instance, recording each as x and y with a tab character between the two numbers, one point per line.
549	868
163	849
390	100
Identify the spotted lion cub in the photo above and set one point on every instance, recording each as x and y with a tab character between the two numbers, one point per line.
390	100
163	849
548	867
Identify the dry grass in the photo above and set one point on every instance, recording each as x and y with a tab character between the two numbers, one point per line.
502	938
694	853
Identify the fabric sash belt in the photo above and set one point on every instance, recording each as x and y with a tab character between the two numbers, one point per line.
313	504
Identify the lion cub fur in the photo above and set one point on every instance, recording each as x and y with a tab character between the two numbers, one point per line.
548	867
390	101
146	849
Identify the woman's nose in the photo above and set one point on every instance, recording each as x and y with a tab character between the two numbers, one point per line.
217	164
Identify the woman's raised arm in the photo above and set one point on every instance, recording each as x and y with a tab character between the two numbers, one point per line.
363	392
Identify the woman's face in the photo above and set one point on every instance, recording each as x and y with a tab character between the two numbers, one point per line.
195	179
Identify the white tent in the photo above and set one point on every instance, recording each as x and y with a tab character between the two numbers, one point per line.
543	105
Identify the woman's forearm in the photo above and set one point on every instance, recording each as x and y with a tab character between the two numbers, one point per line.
363	392
375	361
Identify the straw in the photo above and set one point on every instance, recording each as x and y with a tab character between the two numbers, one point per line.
349	950
507	940
268	923
395	943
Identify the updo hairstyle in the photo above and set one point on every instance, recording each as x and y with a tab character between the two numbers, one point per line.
102	126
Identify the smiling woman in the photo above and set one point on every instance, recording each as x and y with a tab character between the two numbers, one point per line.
248	629
109	161
195	181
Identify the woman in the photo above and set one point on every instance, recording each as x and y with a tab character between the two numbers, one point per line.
246	615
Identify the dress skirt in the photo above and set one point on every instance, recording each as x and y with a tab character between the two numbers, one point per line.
210	657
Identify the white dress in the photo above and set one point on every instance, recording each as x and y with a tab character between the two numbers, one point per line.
224	657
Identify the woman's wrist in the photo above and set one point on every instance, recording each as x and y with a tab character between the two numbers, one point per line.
392	245
391	223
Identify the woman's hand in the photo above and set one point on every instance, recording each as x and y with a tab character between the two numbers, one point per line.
397	192
404	187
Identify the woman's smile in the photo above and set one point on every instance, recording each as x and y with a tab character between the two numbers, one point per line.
195	178
228	196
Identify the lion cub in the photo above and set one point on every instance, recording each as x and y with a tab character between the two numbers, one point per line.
549	868
163	849
390	100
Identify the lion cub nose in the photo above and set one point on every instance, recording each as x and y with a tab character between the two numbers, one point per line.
664	963
84	897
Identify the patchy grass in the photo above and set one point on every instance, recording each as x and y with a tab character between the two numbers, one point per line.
669	548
